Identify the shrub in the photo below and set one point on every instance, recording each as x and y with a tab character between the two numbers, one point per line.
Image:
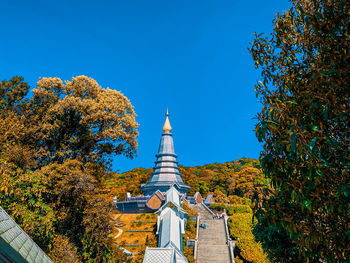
218	207
233	209
234	199
189	211
241	227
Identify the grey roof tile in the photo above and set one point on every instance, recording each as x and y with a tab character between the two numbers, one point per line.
156	255
19	242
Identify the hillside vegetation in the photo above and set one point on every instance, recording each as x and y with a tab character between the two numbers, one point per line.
226	181
233	184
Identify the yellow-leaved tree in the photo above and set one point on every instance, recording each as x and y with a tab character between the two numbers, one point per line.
55	148
81	120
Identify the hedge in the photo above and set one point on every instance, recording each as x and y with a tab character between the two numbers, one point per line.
232	209
241	227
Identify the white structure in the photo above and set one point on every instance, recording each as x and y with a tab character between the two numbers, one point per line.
170	228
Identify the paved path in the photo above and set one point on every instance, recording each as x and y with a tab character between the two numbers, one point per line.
212	245
120	231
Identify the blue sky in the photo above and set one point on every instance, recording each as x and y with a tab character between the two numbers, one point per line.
188	55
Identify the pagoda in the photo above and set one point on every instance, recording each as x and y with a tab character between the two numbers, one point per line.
166	173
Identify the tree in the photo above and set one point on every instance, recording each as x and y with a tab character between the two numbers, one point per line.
220	197
54	150
22	196
304	126
12	94
82	209
80	120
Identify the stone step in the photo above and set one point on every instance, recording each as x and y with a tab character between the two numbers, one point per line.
212	245
213	253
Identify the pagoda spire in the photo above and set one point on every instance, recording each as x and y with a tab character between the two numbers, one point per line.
167	126
166	173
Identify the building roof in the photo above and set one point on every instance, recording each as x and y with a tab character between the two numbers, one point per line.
207	200
161	210
16	245
170	230
156	255
165	172
166	178
172	195
172	199
180	258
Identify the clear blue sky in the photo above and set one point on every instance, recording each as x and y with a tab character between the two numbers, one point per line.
188	55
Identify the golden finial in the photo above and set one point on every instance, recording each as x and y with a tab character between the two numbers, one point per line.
167	127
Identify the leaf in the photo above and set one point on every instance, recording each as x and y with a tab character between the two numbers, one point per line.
314	128
312	143
319	173
330	72
346	190
293	141
325	112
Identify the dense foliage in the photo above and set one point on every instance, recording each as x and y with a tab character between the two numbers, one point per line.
226	181
54	149
247	249
304	126
233	184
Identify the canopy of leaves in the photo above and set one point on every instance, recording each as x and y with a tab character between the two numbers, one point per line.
80	120
241	228
12	94
54	150
304	126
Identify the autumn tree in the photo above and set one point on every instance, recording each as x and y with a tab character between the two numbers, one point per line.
12	94
220	197
54	152
81	120
304	126
22	196
12	128
83	209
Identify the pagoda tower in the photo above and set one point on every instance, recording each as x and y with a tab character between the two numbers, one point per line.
166	173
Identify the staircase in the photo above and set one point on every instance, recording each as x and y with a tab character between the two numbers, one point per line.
212	243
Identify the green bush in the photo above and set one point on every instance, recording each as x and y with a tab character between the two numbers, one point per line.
218	207
234	209
241	227
231	209
235	199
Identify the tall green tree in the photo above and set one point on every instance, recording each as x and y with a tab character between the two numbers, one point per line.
304	126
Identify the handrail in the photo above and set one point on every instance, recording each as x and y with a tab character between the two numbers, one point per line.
228	240
226	228
197	230
196	241
208	209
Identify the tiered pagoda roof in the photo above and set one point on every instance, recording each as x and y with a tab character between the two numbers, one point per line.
166	173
